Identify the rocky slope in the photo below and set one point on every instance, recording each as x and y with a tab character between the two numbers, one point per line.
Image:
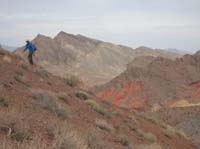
94	61
152	83
184	118
39	110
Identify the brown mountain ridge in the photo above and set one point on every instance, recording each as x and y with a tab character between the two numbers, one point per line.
94	61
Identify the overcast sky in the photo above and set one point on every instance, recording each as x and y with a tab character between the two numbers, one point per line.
152	23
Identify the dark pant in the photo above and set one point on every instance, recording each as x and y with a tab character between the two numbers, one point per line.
30	57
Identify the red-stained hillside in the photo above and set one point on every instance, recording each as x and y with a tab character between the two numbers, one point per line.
152	82
130	95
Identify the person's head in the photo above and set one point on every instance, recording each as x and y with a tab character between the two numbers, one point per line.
27	41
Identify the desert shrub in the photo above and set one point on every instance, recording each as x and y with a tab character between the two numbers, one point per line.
3	102
182	134
72	140
19	135
147	136
124	140
169	133
107	102
102	124
48	102
93	142
96	107
52	131
42	73
24	66
20	80
82	95
72	80
64	97
20	73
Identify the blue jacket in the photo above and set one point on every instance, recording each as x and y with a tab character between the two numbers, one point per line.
30	47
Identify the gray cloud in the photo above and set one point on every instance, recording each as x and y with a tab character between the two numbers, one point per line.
155	23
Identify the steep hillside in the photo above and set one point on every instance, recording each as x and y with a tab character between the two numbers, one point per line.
184	118
151	82
94	61
42	111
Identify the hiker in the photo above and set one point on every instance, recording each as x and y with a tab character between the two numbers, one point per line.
32	49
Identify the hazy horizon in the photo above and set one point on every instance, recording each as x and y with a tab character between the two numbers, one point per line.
154	23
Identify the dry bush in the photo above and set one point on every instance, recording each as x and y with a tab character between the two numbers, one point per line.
171	131
3	101
102	124
48	101
21	80
93	142
72	80
64	97
24	66
17	128
124	140
42	73
82	95
147	136
19	73
67	138
96	107
107	102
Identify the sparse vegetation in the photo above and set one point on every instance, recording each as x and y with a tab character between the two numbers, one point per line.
169	131
19	135
72	80
147	136
102	124
107	102
20	73
3	102
82	95
48	102
96	107
24	66
64	97
51	131
42	73
20	80
93	142
124	140
72	140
